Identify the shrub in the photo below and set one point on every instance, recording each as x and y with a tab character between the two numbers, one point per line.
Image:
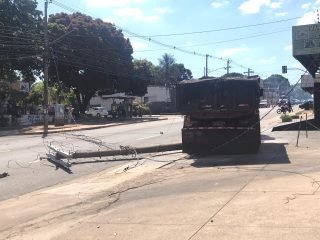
137	106
286	118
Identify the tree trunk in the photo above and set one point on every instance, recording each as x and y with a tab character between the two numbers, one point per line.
83	100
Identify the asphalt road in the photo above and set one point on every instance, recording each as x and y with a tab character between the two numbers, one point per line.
20	155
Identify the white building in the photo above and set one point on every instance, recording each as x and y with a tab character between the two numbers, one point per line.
157	97
157	94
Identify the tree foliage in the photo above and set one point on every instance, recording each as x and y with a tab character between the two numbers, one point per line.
233	74
21	40
56	95
143	73
298	93
93	56
171	72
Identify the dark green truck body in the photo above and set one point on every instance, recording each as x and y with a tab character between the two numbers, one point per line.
221	115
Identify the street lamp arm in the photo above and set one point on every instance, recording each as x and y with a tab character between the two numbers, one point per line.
297	69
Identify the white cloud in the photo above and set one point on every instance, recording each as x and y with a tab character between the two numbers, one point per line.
254	6
136	14
138	45
282	14
233	51
162	10
109	20
306	6
111	3
288	47
307	18
219	3
267	60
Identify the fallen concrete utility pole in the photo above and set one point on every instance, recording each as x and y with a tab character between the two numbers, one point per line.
122	151
59	154
65	166
128	151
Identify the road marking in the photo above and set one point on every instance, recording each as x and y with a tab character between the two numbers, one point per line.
153	136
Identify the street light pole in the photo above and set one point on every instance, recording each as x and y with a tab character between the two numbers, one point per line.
46	70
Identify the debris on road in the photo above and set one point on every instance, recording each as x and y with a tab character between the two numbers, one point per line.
3	175
61	158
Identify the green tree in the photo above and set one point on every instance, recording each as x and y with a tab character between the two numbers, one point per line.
276	81
166	63
21	40
93	56
56	95
234	75
299	93
181	73
171	72
143	74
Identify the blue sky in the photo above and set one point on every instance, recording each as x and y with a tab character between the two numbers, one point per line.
263	48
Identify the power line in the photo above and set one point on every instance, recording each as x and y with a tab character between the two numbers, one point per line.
236	39
140	36
149	39
222	29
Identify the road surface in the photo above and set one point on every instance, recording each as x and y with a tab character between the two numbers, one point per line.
20	155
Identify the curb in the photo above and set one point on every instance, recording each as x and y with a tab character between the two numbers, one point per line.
19	132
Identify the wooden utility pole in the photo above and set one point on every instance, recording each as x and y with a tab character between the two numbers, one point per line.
46	69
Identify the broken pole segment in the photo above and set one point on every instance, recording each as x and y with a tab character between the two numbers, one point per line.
127	151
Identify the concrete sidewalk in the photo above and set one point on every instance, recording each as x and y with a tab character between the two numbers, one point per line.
36	130
273	194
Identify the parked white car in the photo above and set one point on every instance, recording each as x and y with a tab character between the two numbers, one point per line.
97	112
263	104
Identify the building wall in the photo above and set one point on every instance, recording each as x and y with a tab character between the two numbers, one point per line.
157	94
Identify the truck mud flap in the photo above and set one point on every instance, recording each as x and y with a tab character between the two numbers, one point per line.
220	141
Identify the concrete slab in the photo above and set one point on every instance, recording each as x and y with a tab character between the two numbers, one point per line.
270	209
185	209
261	233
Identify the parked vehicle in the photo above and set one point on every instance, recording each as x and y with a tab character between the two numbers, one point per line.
221	115
306	105
282	102
284	109
97	112
263	104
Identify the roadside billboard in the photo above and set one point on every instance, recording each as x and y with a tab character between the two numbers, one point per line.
306	39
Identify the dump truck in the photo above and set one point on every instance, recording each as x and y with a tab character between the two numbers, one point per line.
221	115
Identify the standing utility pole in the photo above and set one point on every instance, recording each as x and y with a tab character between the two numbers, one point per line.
46	69
249	72
207	65
228	66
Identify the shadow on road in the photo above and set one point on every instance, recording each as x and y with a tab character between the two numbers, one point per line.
269	153
266	137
